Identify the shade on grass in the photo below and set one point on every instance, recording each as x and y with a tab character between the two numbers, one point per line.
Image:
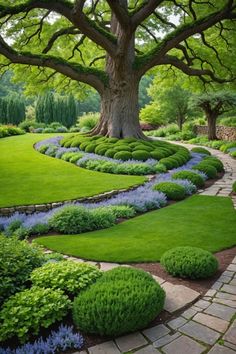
28	177
200	221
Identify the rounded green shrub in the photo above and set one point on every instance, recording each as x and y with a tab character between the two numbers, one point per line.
160	168
213	161
26	312
189	262
101	218
90	147
140	155
122	148
110	153
172	190
193	177
143	147
123	300
123	155
209	170
18	260
112	140
157	155
201	150
169	162
69	276
233	153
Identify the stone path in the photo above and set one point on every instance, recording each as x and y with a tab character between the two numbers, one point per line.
208	326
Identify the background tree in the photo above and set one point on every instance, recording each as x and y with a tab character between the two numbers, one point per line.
12	109
110	45
213	105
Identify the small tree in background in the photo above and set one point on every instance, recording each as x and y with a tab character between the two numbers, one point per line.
213	105
12	109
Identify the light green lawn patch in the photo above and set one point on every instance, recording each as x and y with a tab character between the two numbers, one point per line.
201	221
28	177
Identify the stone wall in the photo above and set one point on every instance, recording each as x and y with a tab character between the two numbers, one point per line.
222	133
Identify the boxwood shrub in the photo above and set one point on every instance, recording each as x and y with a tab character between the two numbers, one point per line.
189	262
141	155
201	150
26	312
123	155
69	276
209	170
123	300
18	259
213	161
172	190
194	177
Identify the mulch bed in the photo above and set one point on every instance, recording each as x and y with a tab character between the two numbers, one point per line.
224	257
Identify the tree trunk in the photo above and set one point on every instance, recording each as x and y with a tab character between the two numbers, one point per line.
211	121
119	101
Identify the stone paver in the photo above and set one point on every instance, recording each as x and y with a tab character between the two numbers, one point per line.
104	348
219	349
221	311
230	335
130	342
108	266
148	350
231	289
226	302
212	322
177	322
189	313
183	345
165	340
158	279
232	267
200	332
202	304
178	296
156	332
226	296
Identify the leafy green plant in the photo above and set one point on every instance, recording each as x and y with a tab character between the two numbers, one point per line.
189	262
141	155
28	311
18	259
201	150
88	121
194	177
122	211
209	170
172	190
101	218
69	276
213	161
123	155
123	300
39	229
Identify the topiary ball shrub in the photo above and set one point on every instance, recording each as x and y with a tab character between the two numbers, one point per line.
189	262
123	300
172	190
123	155
68	276
213	161
193	177
209	170
140	155
201	150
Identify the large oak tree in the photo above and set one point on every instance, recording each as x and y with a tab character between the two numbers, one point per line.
111	44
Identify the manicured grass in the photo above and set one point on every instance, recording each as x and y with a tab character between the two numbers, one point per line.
28	177
201	221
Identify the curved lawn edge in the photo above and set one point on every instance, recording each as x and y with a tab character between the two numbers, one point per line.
28	177
201	221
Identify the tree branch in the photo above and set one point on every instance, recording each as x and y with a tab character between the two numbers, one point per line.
59	33
120	12
144	12
91	76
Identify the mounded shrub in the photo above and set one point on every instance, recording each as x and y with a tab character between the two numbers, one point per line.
209	170
123	300
90	147
189	262
140	155
157	154
213	161
101	218
122	147
172	190
18	260
110	153
123	155
193	177
160	168
28	311
143	147
201	150
169	162
122	211
67	276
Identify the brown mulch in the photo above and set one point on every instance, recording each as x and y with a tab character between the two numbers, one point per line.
224	257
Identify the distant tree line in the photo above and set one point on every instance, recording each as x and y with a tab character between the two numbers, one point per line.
54	108
12	109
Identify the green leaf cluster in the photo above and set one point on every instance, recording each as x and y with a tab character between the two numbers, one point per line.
172	190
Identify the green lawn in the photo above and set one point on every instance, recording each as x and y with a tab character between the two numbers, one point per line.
28	177
201	221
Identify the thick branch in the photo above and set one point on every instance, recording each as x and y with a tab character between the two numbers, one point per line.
74	14
59	33
183	32
120	12
93	77
144	12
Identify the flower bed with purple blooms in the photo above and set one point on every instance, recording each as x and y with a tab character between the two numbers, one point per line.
57	342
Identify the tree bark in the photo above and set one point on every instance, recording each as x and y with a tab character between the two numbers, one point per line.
211	122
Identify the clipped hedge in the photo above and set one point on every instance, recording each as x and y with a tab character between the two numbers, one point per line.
193	177
67	276
123	300
213	161
172	190
208	169
201	150
189	262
